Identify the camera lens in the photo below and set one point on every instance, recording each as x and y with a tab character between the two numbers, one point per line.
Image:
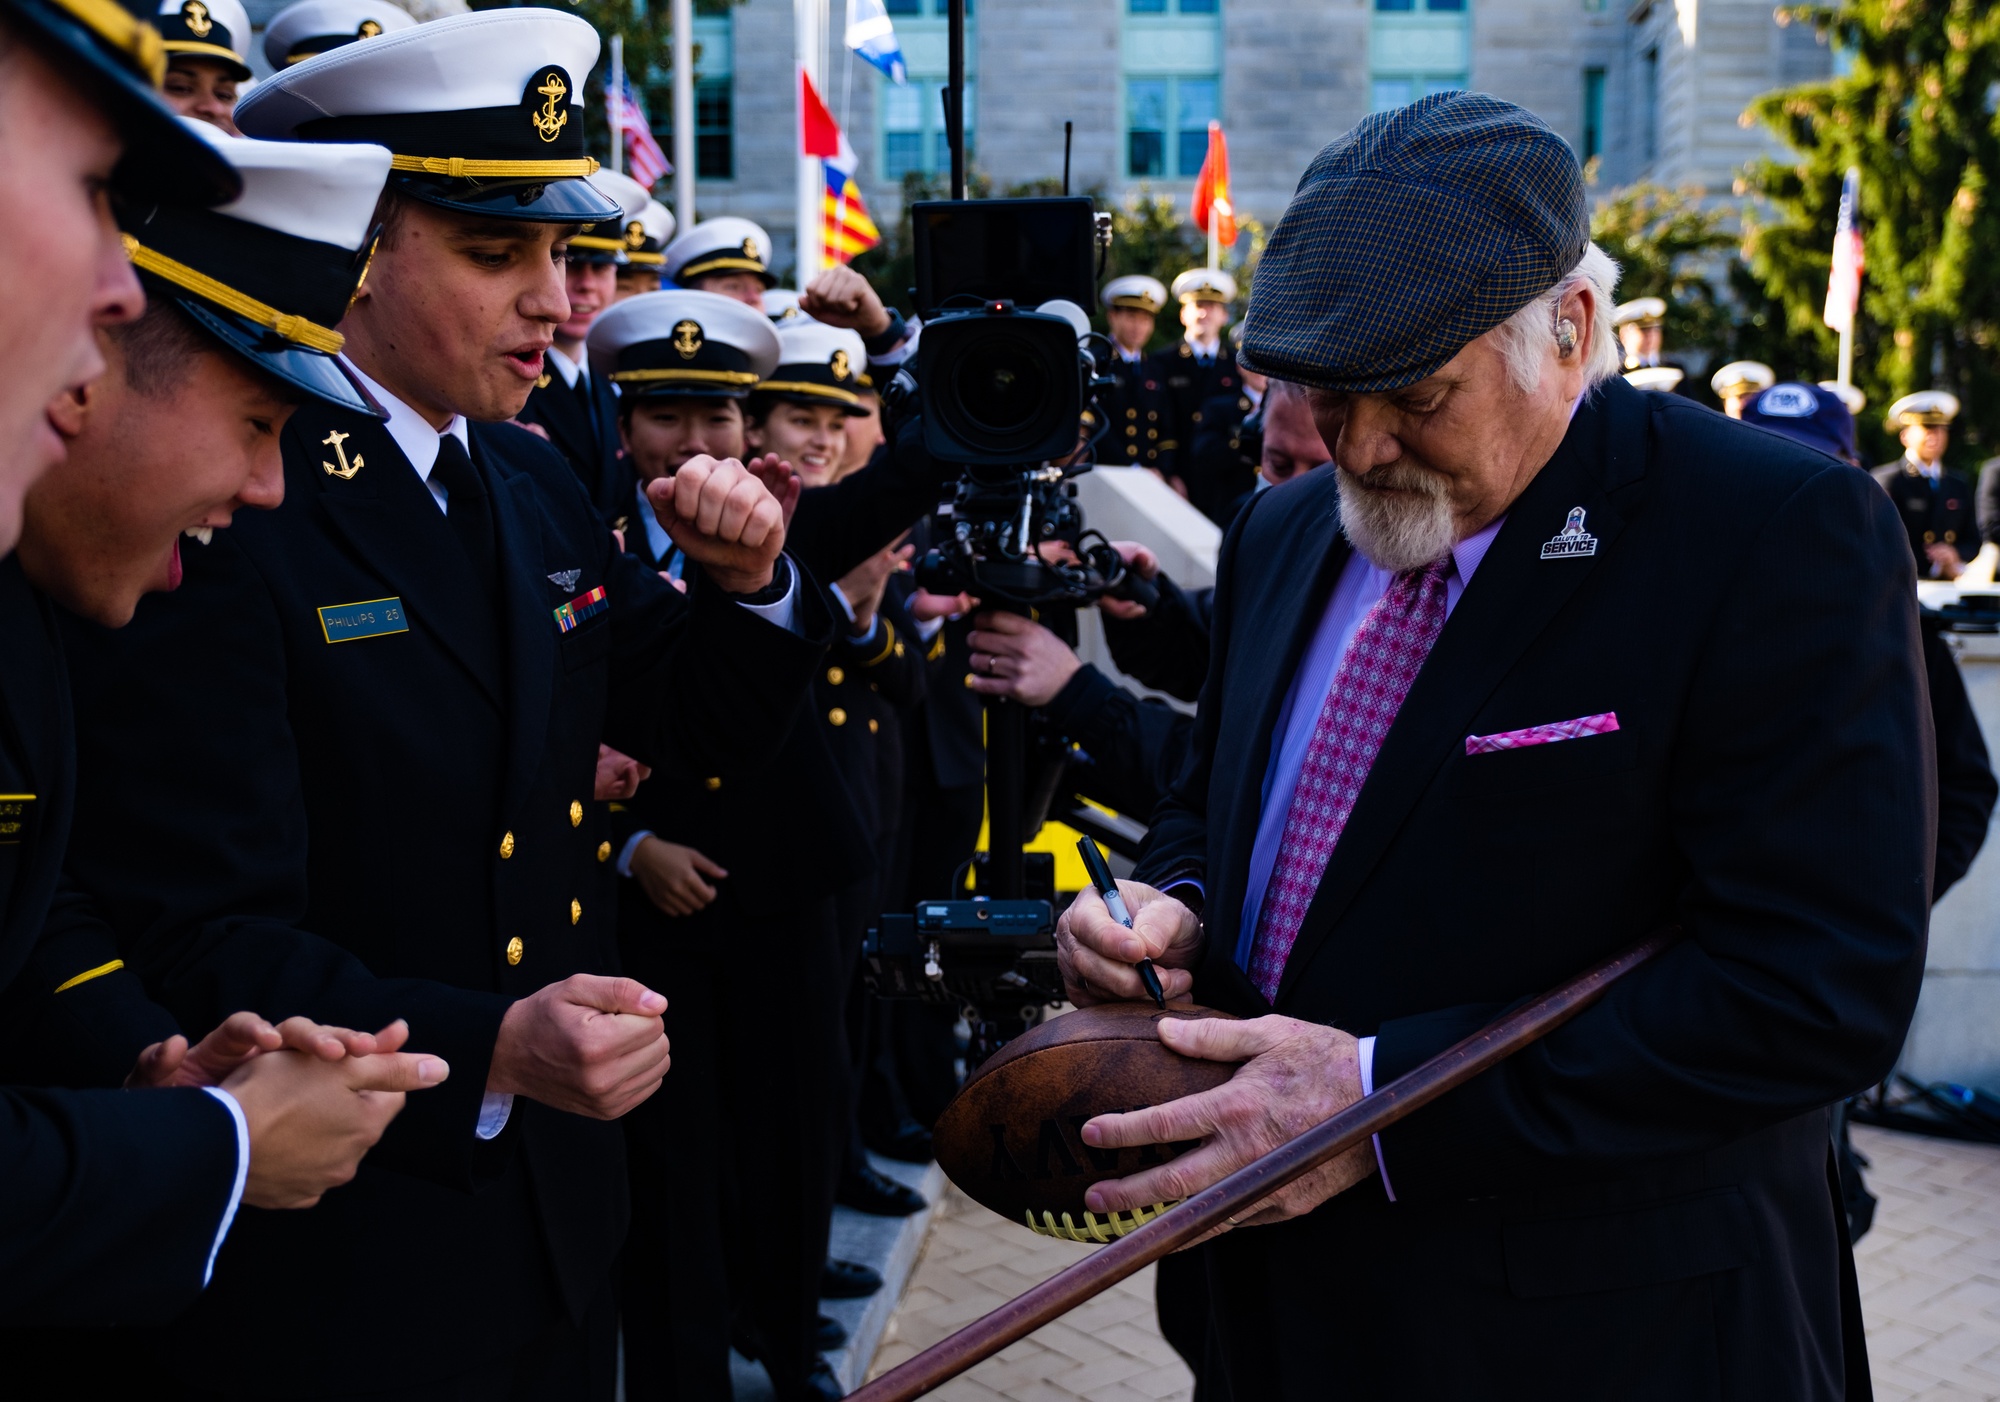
1002	384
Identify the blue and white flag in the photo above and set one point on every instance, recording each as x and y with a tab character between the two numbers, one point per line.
870	34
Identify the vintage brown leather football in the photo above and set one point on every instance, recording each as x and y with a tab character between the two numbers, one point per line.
1012	1137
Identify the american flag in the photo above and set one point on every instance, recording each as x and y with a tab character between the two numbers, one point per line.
1843	285
644	160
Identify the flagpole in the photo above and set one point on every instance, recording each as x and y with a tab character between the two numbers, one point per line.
1214	217
809	29
682	19
613	110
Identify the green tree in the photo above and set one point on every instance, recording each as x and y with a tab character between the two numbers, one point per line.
1914	111
1668	246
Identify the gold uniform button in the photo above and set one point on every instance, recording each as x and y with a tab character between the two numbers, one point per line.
1152	414
873	726
603	851
712	783
835	676
1131	413
575	813
506	845
836	716
1152	433
575	911
968	681
899	649
514	948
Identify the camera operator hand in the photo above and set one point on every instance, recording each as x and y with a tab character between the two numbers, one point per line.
842	297
1099	957
925	606
1018	659
672	876
1141	562
864	585
590	1045
724	519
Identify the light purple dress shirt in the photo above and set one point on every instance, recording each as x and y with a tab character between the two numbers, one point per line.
1360	585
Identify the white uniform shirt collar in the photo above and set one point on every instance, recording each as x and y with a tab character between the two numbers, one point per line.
567	368
1131	357
412	431
1207	350
1928	469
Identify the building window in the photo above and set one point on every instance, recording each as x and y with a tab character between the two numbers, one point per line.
1649	116
1593	114
1163	7
1156	147
913	135
1417	48
1436	7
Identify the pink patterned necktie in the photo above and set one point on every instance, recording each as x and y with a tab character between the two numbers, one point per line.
1368	688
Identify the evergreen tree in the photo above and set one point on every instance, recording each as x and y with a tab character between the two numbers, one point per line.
1914	110
1666	246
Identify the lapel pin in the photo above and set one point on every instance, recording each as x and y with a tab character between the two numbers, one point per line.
334	439
1572	540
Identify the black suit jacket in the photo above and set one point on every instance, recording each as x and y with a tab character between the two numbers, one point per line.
584	429
113	1198
394	826
1642	1195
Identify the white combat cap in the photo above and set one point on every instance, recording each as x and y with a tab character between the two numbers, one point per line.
1742	377
782	303
217	29
725	245
680	342
314	26
271	273
818	364
605	243
1928	408
1646	311
483	111
646	234
1205	285
1137	292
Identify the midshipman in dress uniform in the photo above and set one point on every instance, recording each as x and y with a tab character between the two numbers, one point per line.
1937	506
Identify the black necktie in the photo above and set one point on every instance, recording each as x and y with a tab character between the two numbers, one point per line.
467	510
584	401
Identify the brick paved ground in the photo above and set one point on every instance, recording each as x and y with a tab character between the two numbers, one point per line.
1930	1269
1930	1284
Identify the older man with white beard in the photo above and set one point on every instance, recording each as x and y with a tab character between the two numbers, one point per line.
1489	701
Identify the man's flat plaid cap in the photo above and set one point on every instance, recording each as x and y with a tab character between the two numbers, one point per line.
1416	232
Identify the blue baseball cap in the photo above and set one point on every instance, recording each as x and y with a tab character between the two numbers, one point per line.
1806	414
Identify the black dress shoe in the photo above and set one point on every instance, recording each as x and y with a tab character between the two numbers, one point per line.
820	1385
828	1334
865	1190
848	1280
910	1144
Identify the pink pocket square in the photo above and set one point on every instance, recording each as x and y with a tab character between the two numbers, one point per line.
1542	734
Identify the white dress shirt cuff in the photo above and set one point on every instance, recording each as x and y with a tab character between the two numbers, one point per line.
927	628
784	612
1367	1051
494	1108
631	846
242	1176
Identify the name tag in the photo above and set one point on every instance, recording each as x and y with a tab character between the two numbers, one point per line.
14	810
372	618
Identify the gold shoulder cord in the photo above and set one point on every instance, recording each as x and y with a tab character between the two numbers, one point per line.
293	328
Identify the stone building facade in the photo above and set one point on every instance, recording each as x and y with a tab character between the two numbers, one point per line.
1650	89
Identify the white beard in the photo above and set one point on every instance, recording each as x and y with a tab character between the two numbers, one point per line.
1399	530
